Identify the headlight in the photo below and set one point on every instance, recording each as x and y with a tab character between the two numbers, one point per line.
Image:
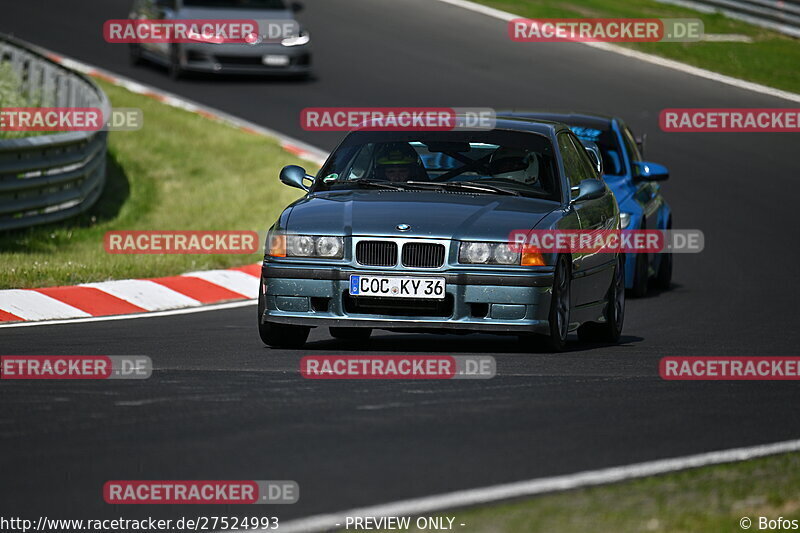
487	253
298	40
299	246
504	255
624	220
324	247
329	246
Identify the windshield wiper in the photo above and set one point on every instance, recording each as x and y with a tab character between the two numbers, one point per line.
380	185
464	185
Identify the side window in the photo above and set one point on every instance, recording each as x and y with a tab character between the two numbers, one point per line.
588	168
576	165
630	144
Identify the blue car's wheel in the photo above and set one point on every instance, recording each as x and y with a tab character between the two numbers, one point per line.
664	274
614	314
640	276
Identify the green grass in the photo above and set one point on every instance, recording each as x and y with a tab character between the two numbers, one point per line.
180	172
11	95
771	59
708	500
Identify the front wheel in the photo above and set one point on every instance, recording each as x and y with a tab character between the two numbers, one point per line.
556	338
279	335
283	335
176	71
135	54
611	329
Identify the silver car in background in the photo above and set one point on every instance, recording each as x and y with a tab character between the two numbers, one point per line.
287	56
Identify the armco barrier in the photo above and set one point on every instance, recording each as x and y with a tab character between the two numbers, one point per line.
778	15
47	178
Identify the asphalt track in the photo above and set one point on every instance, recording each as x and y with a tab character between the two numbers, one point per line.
221	406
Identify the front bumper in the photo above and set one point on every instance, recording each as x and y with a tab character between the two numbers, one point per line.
476	300
245	59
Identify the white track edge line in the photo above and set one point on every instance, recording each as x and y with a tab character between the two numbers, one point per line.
151	314
533	487
649	58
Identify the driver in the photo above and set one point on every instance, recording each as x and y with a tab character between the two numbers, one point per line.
516	164
396	162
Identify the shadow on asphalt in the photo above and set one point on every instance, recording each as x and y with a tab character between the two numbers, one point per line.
452	344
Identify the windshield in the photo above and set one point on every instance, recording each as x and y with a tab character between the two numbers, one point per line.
236	4
607	141
489	162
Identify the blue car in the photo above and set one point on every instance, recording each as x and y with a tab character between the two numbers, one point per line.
409	231
635	184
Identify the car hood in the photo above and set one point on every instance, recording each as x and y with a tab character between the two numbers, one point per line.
432	214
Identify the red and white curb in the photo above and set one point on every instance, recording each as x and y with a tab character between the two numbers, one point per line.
195	291
130	296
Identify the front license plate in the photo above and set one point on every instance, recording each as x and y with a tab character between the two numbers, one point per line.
276	61
396	287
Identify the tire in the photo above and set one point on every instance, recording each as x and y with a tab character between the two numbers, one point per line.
614	313
135	55
175	70
279	335
351	334
664	274
556	339
640	276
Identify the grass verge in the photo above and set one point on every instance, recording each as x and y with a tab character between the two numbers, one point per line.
11	95
771	59
181	171
710	500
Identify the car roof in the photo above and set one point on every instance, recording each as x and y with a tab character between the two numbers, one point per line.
529	124
590	120
521	124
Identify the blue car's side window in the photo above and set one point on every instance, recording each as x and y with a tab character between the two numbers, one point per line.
630	144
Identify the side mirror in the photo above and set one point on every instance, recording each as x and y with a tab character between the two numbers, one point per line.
650	171
296	7
589	190
294	176
594	154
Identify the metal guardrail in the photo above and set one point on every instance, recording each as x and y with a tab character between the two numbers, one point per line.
779	15
48	178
